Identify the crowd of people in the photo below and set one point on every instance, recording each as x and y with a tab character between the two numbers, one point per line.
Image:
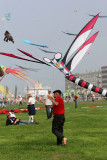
54	105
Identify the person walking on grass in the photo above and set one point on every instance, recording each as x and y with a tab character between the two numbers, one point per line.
59	118
48	105
76	100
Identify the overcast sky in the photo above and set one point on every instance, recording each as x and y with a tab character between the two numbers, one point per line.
42	21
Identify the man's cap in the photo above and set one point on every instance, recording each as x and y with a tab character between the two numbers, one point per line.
57	91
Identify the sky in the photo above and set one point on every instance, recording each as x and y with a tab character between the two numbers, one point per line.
42	21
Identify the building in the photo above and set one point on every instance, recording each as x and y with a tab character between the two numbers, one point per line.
94	78
104	76
39	90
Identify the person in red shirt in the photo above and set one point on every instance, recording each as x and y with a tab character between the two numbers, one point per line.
59	118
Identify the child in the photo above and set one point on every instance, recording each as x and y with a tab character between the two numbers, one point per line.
31	107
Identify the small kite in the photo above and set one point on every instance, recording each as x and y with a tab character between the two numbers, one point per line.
70	34
75	11
8	16
40	45
8	37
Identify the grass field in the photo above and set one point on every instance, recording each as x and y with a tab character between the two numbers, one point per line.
85	128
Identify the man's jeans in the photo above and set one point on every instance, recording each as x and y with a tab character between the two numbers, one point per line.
25	122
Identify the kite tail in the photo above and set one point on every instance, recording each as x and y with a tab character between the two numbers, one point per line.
18	76
32	80
87	85
22	74
17	73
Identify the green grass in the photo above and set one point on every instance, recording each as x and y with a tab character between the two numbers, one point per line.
85	128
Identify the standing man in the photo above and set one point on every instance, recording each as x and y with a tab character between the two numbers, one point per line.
76	100
59	118
20	101
48	105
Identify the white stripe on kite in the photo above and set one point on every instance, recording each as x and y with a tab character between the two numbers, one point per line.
104	92
77	80
90	86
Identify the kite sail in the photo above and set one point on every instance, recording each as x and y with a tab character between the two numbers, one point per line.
36	44
79	40
80	53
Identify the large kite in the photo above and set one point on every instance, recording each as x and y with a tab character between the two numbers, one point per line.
75	53
73	56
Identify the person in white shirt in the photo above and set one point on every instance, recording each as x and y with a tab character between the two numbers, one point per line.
31	107
48	105
12	114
